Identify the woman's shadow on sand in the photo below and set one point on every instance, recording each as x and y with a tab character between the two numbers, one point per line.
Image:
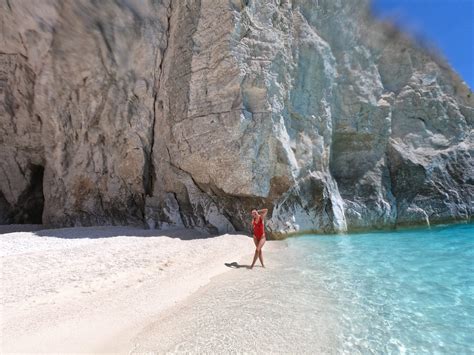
235	265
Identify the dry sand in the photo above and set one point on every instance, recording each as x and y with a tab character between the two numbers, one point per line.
96	289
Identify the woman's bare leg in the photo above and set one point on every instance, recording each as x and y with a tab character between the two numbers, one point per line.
258	252
254	259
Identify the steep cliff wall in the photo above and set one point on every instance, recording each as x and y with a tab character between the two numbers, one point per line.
190	113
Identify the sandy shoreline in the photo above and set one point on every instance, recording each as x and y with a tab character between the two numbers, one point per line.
96	289
266	311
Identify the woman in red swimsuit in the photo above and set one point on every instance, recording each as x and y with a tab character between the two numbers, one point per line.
258	234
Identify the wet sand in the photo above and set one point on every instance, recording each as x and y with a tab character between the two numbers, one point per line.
265	310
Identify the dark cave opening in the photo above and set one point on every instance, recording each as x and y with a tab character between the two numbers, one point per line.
30	204
5	210
31	201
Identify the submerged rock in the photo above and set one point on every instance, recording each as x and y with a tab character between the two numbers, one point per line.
191	113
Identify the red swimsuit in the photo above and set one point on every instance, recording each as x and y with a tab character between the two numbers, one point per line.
258	229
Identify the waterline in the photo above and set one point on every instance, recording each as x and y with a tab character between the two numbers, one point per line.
408	291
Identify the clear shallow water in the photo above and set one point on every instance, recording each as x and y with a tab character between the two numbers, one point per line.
406	291
376	293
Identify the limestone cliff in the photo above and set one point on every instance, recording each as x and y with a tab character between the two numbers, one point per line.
192	112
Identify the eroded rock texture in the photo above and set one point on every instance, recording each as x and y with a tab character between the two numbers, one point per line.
190	113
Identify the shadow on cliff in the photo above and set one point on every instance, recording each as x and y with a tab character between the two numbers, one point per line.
106	232
109	232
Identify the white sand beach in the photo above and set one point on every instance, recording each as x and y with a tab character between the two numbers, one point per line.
95	289
265	311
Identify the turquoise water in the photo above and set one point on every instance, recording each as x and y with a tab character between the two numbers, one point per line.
407	291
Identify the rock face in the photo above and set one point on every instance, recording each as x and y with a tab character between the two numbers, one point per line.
191	113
